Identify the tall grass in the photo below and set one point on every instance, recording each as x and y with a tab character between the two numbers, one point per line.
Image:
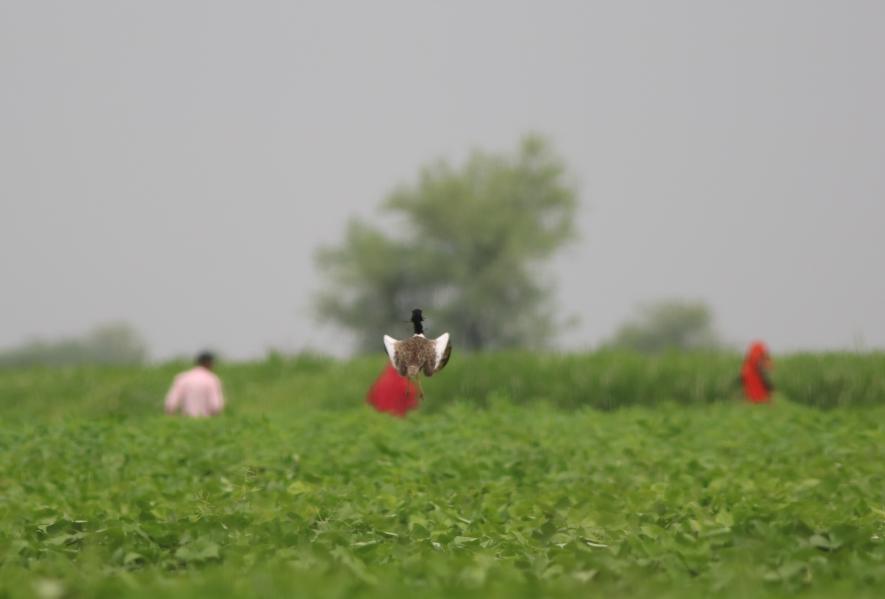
603	380
830	380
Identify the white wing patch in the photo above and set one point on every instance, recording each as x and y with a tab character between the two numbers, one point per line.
390	345
440	345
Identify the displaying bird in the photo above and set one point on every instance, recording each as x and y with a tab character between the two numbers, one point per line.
418	354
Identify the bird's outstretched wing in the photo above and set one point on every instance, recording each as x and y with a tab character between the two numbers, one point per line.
390	346
443	347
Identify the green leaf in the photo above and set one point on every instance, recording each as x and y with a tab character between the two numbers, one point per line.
132	558
198	551
299	487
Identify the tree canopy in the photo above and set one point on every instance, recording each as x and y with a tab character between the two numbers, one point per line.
111	343
465	244
668	324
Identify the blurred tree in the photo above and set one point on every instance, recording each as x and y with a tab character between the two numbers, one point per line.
668	324
112	343
467	247
115	343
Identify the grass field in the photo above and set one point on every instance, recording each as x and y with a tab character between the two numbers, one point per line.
508	483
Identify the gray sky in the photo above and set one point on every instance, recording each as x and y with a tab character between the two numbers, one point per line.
175	164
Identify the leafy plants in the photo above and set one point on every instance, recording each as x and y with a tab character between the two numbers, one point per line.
501	486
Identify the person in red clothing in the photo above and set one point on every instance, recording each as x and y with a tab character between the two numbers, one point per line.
393	393
755	374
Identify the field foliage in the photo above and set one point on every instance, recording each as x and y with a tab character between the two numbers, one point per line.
507	483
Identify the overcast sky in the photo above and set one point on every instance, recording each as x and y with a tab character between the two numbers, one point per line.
175	164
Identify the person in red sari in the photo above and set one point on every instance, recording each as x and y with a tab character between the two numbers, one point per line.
393	393
755	376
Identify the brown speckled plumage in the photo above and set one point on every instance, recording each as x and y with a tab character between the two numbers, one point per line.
418	354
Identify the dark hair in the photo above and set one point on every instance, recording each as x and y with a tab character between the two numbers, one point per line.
205	358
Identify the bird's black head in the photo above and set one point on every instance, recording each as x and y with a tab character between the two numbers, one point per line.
417	319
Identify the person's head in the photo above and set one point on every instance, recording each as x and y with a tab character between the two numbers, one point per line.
758	354
206	360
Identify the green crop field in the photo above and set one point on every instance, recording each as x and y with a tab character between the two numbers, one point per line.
606	475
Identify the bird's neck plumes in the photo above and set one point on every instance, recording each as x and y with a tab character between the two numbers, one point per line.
417	319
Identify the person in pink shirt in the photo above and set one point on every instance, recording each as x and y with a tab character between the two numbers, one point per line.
196	392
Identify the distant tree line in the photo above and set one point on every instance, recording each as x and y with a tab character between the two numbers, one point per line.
112	343
468	244
670	324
